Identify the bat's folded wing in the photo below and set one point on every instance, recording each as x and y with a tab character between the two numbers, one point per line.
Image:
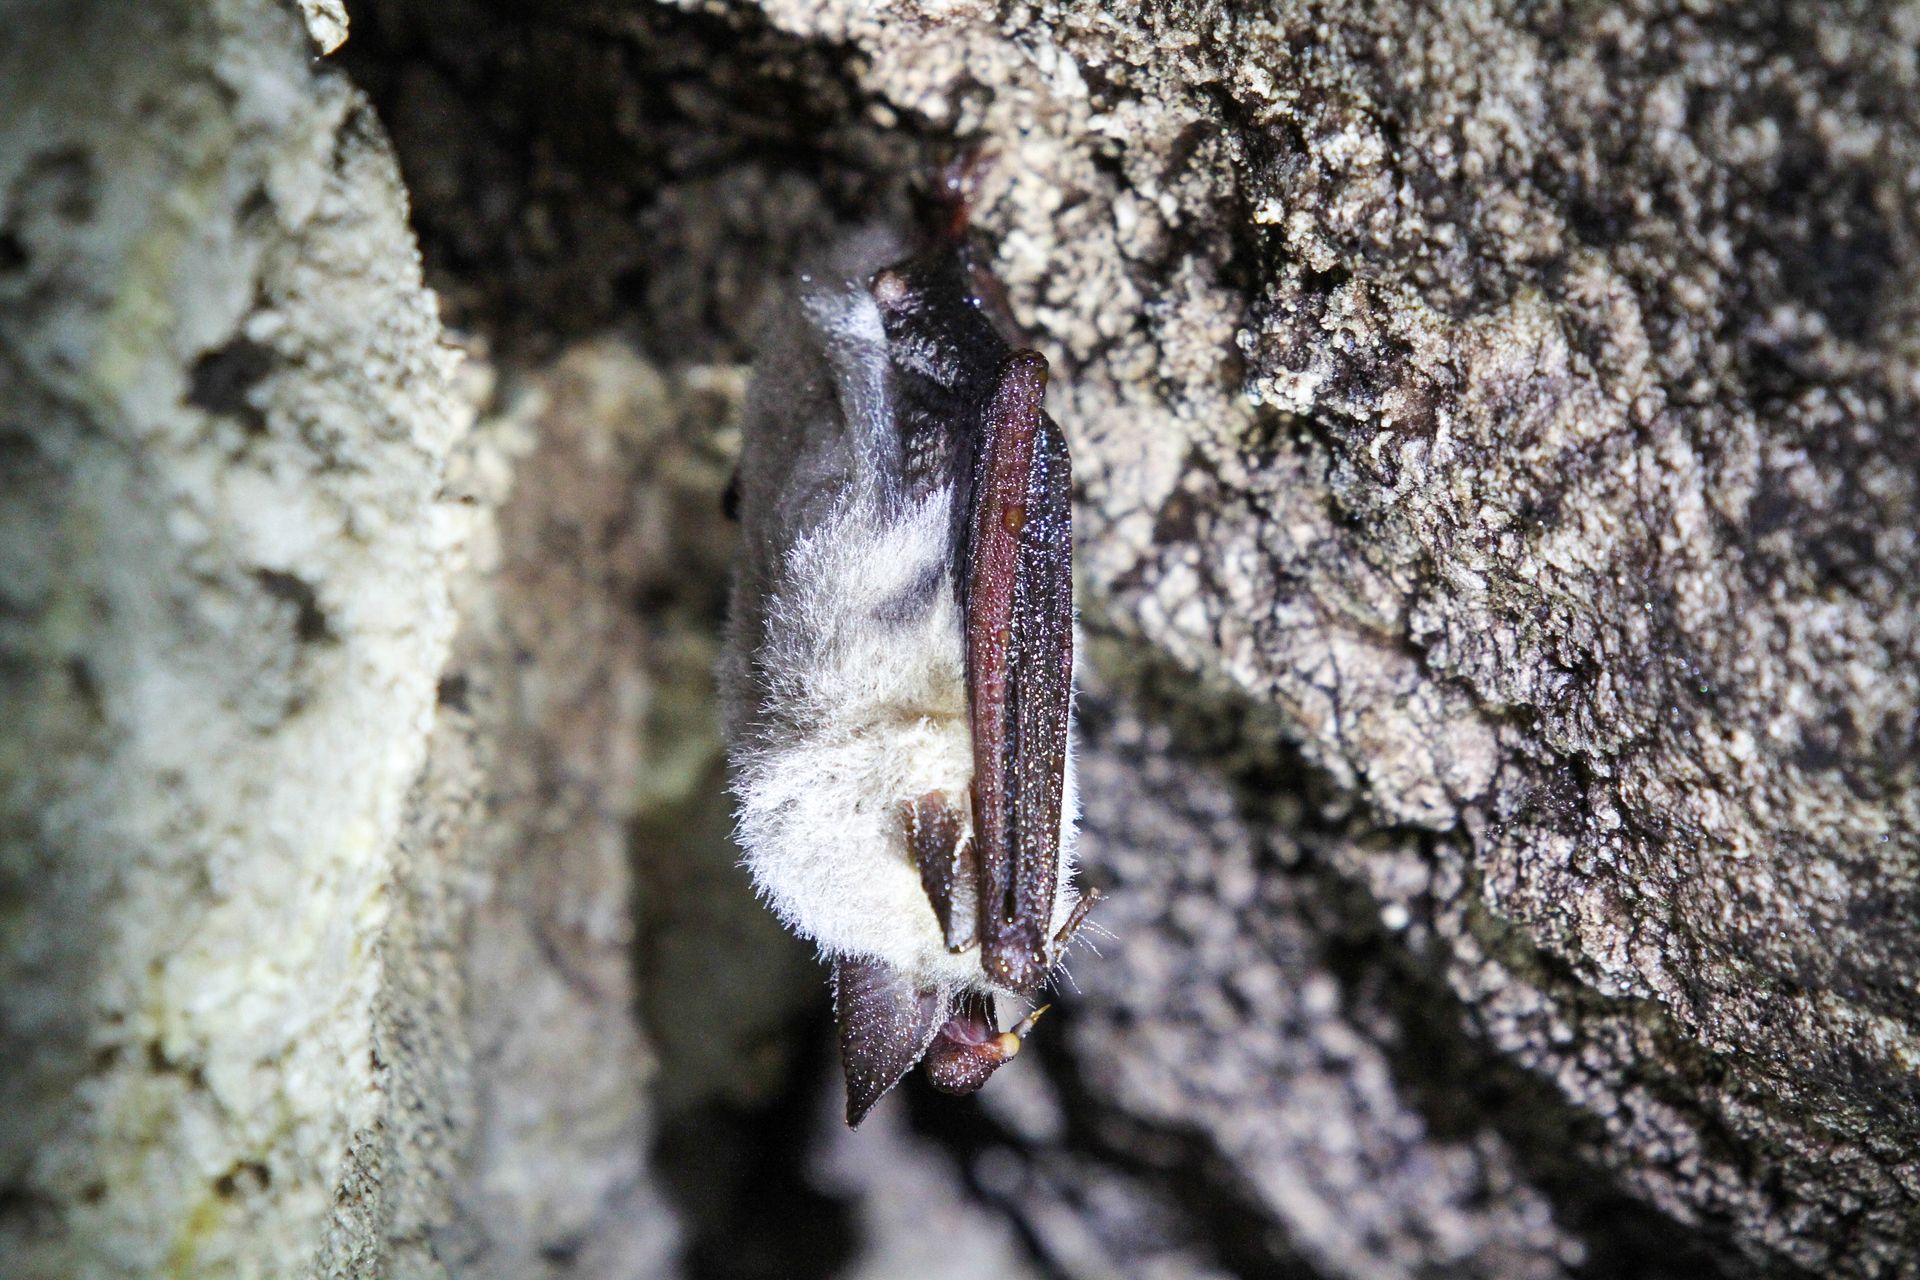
1019	623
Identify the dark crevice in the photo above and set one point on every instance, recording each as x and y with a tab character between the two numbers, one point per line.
310	625
453	692
220	382
29	1213
738	1177
579	166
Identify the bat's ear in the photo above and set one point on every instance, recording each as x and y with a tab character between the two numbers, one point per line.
886	1024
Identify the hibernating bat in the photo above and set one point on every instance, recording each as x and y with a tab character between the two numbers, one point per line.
897	679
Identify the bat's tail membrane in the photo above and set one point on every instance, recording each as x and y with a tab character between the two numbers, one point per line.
886	1023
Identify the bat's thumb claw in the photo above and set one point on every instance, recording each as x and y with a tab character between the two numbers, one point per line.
1022	1027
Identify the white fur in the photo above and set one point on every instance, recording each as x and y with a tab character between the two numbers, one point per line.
859	705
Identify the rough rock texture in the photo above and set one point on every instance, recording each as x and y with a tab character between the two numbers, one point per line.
1496	437
1505	421
562	695
223	609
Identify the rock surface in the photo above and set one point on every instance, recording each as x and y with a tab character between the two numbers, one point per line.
224	565
1496	436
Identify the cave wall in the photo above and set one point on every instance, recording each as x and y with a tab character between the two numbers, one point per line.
1494	432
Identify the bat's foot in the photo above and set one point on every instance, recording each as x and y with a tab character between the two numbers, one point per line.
1075	918
968	1049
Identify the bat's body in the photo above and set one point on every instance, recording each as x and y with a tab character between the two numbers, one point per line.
898	668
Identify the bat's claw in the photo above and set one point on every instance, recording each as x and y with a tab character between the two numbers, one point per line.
1022	1027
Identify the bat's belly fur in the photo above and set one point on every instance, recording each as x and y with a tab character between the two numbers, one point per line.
866	611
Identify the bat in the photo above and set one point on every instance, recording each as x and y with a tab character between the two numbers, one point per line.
897	673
